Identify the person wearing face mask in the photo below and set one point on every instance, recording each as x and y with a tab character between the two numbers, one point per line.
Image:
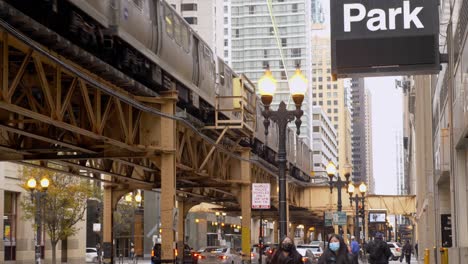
336	252
286	253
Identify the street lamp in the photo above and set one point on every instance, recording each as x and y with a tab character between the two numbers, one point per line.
37	193
332	172
282	116
357	199
220	218
138	198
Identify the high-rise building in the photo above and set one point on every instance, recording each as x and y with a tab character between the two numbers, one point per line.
207	18
361	133
273	36
318	16
324	143
333	97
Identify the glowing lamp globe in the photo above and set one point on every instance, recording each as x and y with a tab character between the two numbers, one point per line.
351	189
267	87
298	83
31	183
331	169
363	188
44	183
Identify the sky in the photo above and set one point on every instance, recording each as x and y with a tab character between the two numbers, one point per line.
387	120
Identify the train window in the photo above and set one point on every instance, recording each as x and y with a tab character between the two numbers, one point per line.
177	31
185	38
139	4
169	19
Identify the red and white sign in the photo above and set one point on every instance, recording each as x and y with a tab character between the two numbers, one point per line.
260	196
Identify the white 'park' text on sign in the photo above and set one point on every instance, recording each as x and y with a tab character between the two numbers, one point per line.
260	196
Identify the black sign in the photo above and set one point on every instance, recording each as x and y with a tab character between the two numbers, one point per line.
384	37
446	226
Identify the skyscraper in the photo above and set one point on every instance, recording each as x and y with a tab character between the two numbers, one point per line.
361	133
273	34
332	96
206	17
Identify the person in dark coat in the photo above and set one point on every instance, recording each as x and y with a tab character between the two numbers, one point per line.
416	249
156	254
407	250
378	250
336	252
287	253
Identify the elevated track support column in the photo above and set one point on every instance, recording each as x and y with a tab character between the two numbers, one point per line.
246	203
168	178
107	235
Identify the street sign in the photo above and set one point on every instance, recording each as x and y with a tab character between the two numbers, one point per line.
260	196
339	218
328	218
96	227
384	37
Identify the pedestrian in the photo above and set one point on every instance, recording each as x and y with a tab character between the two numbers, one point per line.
416	249
287	253
156	254
407	249
336	252
378	250
355	248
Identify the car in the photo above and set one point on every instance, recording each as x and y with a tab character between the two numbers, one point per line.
396	250
268	252
307	256
255	254
315	248
91	255
186	256
219	255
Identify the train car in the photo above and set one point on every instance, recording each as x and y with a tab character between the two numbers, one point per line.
145	39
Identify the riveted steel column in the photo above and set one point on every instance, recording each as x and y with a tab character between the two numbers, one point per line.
168	180
246	203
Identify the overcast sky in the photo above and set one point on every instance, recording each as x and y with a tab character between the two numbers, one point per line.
387	120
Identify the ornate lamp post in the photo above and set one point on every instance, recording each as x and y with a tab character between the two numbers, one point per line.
282	116
138	198
332	172
37	193
357	199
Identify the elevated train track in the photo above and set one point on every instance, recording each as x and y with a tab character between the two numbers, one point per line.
67	110
64	109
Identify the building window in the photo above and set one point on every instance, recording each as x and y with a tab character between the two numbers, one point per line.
335	102
316	129
329	111
188	7
283	75
237	33
320	79
335	110
284	42
320	87
225	9
328	86
320	95
226	32
191	20
251	10
226	21
265	53
272	31
226	43
328	102
226	54
295	53
9	225
335	118
328	79
294	8
265	64
320	103
335	86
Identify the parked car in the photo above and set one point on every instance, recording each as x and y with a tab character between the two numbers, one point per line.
315	248
218	255
91	255
396	249
307	255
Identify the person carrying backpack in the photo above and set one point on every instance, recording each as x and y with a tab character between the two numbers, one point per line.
378	250
355	248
